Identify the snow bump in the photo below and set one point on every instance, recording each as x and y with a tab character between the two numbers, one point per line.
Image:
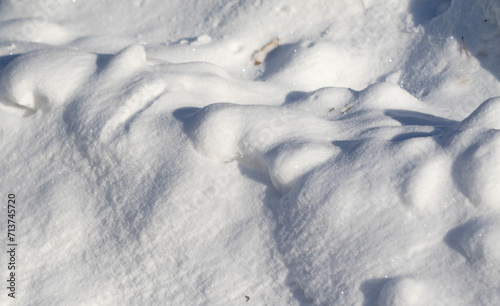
478	171
41	79
426	184
283	141
485	116
478	241
403	291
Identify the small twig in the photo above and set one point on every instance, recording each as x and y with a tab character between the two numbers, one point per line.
345	109
464	46
247	297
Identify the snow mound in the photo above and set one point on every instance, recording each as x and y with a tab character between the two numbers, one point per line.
284	141
476	167
324	100
320	65
478	171
402	291
288	162
128	61
40	79
382	190
485	116
43	79
388	96
478	242
426	183
38	29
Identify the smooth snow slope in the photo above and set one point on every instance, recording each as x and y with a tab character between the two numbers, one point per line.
154	164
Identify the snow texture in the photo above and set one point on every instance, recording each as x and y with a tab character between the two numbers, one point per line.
154	164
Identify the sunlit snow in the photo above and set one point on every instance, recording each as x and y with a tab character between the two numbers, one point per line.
157	157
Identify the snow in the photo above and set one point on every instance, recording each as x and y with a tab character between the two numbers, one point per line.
154	164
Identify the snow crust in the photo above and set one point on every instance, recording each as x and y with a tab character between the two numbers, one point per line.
154	164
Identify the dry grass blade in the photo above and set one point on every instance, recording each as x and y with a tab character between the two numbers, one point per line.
260	55
463	46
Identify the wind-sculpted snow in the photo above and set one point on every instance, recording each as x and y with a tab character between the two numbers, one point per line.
420	178
58	75
154	164
285	142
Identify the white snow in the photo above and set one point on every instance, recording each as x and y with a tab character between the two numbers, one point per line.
153	163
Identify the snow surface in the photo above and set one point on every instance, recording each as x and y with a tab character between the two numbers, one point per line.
154	164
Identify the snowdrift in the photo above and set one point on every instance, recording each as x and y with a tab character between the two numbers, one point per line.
154	164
